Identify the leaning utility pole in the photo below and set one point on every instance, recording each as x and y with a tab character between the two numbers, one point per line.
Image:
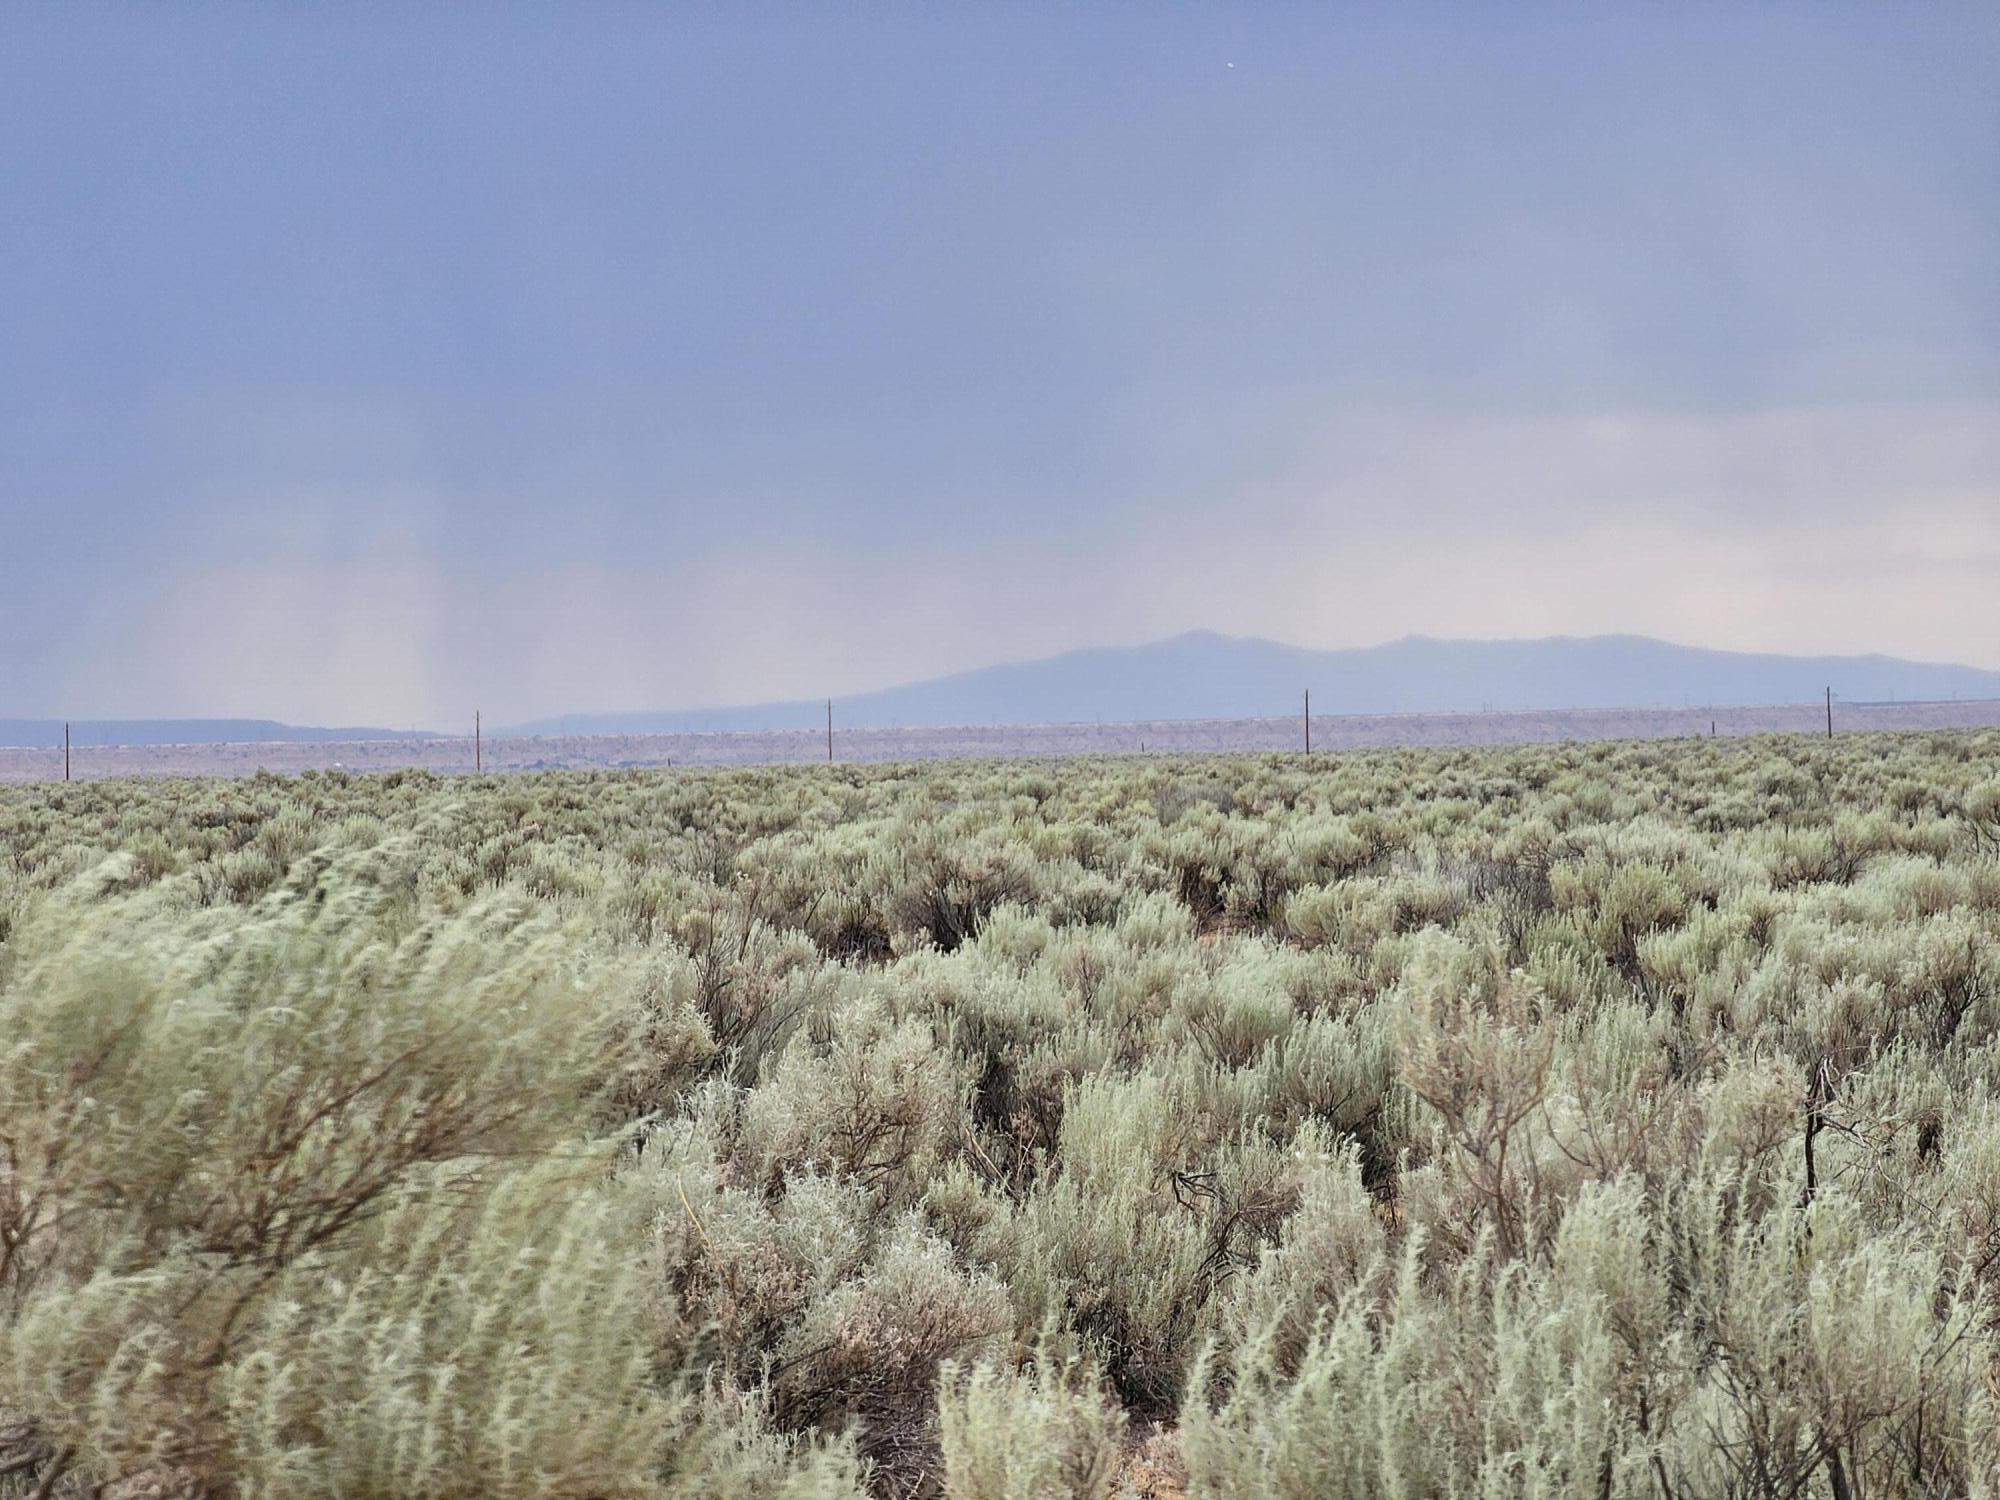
1309	721
829	731
1829	713
478	749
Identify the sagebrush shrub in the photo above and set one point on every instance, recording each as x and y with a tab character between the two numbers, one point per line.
1556	1120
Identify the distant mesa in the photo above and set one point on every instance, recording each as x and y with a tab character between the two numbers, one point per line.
1203	675
86	733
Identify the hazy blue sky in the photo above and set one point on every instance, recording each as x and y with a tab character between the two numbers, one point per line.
366	363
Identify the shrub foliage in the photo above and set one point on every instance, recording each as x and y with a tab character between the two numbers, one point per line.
1580	1120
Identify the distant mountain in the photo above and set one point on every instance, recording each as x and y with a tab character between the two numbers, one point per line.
85	733
1208	676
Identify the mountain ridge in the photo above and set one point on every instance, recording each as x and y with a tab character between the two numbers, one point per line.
1203	674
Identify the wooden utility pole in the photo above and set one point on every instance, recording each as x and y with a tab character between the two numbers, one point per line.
1829	713
829	731
478	748
1309	721
65	751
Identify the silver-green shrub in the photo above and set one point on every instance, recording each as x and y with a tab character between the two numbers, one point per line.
1580	1120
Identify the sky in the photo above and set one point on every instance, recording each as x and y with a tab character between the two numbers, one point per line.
374	364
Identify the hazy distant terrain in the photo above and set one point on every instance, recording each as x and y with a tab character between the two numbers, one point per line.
1209	676
49	732
1199	691
1331	732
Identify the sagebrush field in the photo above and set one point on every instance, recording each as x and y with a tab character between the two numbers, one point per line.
1581	1121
